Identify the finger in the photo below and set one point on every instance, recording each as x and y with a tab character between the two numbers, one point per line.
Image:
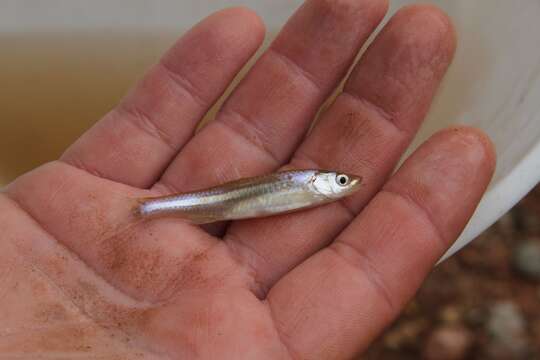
271	109
364	132
356	286
135	141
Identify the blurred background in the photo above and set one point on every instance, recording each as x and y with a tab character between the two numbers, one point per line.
62	70
482	303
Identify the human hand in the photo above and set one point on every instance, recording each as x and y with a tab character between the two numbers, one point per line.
81	276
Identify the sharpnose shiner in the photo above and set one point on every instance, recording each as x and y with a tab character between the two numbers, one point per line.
276	193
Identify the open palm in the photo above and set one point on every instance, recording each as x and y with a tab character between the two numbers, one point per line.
82	277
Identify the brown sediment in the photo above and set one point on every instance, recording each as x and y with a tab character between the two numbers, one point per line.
50	313
90	290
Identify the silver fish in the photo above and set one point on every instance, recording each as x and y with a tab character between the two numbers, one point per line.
259	196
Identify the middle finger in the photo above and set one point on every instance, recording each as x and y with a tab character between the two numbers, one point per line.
364	132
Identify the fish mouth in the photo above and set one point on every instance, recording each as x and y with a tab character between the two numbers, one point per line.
356	180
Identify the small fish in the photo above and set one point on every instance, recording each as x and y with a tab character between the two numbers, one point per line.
276	193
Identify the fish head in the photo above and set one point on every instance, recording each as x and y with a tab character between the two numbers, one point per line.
335	185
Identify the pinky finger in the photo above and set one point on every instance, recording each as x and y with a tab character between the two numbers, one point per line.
134	143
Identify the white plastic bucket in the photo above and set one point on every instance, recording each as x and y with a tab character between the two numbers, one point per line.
494	82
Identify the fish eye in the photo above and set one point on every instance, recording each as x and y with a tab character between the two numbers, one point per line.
342	179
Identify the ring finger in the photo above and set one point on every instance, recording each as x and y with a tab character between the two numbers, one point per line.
267	115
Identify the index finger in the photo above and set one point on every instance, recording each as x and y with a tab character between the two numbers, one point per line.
357	285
